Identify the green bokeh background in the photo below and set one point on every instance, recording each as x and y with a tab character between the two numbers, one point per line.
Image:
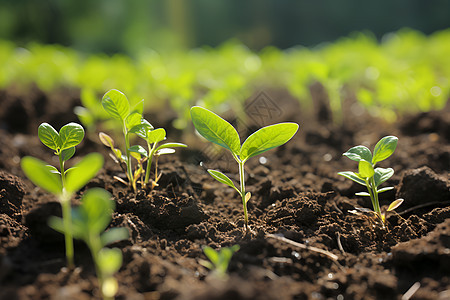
127	26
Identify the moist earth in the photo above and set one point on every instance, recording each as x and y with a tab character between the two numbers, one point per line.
299	204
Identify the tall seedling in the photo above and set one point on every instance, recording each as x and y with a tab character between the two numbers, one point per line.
372	177
89	222
218	131
62	183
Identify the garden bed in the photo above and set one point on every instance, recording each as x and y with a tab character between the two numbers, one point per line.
297	197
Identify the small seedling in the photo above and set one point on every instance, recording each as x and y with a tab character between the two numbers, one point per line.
89	222
62	183
152	137
372	177
116	104
218	260
218	131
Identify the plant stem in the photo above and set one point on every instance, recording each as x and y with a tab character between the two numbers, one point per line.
67	216
149	162
370	184
67	221
244	203
127	146
95	247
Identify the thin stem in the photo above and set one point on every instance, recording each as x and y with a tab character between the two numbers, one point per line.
149	162
95	247
156	169
375	194
67	216
244	203
127	146
67	222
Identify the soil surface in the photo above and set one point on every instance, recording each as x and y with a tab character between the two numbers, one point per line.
298	204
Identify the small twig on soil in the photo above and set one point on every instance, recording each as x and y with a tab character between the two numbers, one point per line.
412	290
340	244
328	254
422	206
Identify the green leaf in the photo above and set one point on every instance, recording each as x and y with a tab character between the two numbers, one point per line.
165	151
267	138
395	204
384	148
53	170
155	136
41	175
352	176
114	235
382	174
138	149
83	171
363	194
71	135
215	129
56	223
170	145
95	211
219	176
116	104
212	254
385	189
133	119
142	129
365	169
49	136
109	261
359	152
67	154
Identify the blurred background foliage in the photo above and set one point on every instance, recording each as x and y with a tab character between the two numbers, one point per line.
391	56
126	26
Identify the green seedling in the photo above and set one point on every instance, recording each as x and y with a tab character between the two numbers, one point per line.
218	260
372	177
116	104
89	222
218	131
152	137
118	107
62	183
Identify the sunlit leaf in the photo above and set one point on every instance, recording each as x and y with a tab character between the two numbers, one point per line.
365	169
41	175
156	135
116	104
395	204
359	152
71	135
352	176
267	138
215	129
382	174
219	176
138	149
384	148
83	172
49	136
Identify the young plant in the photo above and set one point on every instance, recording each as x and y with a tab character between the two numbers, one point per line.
116	104
218	131
152	137
372	177
89	222
62	183
218	260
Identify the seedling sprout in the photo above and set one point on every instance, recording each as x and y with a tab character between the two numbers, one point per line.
62	183
89	222
117	105
218	260
372	177
218	131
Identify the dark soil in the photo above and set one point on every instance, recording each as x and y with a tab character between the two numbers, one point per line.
297	198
